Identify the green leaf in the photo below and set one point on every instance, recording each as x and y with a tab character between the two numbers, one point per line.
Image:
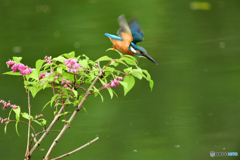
124	84
137	75
34	74
116	50
111	69
5	128
44	121
46	105
17	59
9	114
104	58
151	83
147	74
75	92
130	57
72	54
84	109
115	93
129	61
53	99
16	124
69	55
65	121
110	92
109	49
25	115
83	63
115	64
130	81
97	92
13	73
37	122
17	112
101	96
128	70
59	69
33	91
120	61
60	58
39	64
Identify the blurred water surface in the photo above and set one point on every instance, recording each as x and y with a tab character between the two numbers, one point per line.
194	106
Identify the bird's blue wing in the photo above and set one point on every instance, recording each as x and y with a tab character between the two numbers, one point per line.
136	30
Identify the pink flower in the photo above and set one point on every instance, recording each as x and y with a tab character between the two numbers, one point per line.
42	75
5	119
113	84
65	86
119	78
47	59
116	82
68	82
106	85
2	121
22	68
10	63
25	71
72	65
15	67
14	106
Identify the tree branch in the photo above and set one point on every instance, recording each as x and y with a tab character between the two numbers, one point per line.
69	153
47	130
67	125
27	155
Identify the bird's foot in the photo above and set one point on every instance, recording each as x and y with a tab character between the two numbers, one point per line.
114	48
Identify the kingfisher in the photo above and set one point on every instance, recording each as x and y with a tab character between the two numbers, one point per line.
128	36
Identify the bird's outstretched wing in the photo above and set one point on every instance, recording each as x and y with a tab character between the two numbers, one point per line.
124	31
136	31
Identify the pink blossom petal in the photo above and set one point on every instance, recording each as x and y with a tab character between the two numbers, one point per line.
10	63
113	84
106	86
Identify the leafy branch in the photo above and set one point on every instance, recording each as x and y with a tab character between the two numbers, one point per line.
72	79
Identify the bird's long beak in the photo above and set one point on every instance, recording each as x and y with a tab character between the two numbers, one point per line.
151	59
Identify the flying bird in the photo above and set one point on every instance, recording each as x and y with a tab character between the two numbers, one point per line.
128	36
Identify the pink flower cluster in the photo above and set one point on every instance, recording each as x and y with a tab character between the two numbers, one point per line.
48	59
6	104
65	83
113	83
3	120
39	116
19	66
72	65
42	75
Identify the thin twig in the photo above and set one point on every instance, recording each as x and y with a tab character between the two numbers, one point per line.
69	153
108	64
29	125
34	136
47	130
67	125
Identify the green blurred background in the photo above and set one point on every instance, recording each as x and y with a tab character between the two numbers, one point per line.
193	108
